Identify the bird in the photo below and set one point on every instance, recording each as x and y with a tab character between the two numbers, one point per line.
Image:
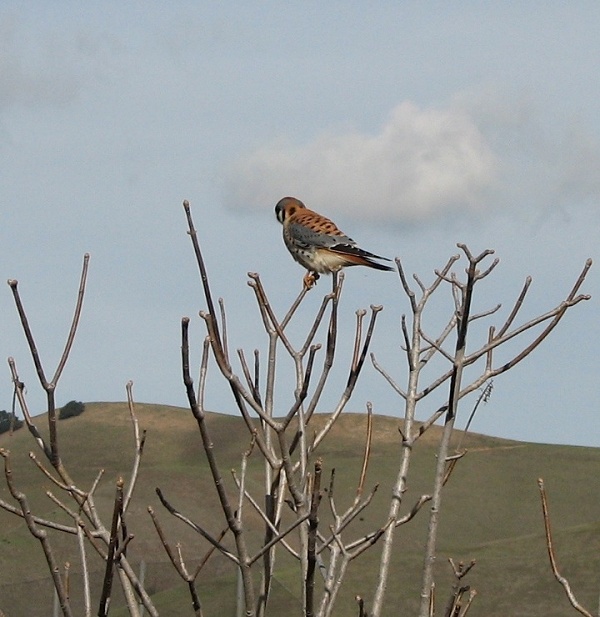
318	244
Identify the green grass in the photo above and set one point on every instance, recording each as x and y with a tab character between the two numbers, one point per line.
490	512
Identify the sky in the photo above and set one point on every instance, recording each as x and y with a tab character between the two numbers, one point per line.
413	125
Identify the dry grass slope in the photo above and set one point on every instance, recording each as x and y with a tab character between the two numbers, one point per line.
491	513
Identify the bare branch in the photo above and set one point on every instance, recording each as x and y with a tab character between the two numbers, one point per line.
367	452
74	323
19	387
263	302
87	601
337	284
352	378
407	290
453	398
196	527
423	499
112	548
516	308
252	383
550	546
37	520
203	273
313	522
436	346
387	376
360	314
266	519
487	313
435	416
179	565
139	441
37	533
28	334
484	397
224	328
277	539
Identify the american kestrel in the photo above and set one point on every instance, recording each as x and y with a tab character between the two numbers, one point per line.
316	243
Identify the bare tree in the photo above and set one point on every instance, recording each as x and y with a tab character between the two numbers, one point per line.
298	488
420	347
292	483
291	472
108	541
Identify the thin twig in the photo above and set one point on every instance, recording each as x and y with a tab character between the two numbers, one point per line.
112	549
367	452
40	534
313	522
551	554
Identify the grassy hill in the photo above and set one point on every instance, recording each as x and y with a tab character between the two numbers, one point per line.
491	513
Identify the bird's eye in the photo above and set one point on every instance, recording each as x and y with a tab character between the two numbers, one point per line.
279	213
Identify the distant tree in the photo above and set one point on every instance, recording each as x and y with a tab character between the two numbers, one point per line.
9	421
71	409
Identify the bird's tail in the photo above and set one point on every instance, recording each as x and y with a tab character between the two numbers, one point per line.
377	266
359	257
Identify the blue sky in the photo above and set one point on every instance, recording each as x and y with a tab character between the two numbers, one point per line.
413	125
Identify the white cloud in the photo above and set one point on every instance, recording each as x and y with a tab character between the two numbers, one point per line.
484	152
422	163
545	161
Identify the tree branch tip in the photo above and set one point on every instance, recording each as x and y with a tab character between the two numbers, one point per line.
254	275
185	321
186	204
360	312
4	453
13	283
376	308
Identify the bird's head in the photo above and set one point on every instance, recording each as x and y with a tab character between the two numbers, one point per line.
286	207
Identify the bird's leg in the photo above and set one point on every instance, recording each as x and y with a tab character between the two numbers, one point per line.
310	279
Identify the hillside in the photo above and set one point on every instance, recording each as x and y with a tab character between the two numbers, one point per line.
491	513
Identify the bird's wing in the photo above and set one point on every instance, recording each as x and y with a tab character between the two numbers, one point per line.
351	249
307	237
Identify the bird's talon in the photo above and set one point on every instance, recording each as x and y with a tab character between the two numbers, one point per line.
310	279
